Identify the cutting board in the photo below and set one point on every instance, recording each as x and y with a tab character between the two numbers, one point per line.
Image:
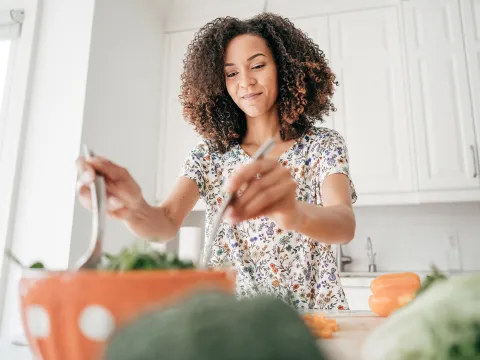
355	326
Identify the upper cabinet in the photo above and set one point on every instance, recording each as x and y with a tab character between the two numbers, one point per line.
408	100
470	10
440	96
366	54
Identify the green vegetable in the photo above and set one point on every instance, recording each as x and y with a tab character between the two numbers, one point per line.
210	326
134	258
37	265
431	279
442	323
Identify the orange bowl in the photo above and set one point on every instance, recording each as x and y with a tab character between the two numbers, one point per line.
70	315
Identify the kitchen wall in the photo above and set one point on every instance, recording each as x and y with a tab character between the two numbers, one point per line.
413	237
405	238
122	107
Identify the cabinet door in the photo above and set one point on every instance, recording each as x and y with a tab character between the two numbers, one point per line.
367	56
471	29
441	103
176	136
317	29
357	297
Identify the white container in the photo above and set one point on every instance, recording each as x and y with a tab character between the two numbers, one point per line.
190	242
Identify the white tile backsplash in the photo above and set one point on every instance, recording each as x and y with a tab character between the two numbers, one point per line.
414	237
406	237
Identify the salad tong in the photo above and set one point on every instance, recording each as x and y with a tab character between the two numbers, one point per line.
93	256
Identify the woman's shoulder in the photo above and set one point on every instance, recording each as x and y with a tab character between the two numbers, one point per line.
324	137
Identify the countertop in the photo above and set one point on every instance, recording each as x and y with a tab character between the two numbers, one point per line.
355	326
345	344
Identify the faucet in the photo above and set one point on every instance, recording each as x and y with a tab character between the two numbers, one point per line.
372	266
342	259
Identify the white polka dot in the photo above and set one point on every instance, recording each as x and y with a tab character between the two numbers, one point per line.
38	321
96	323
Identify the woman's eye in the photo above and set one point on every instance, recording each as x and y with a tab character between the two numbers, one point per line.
258	66
231	74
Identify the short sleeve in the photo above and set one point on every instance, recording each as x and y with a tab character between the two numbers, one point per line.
195	167
334	159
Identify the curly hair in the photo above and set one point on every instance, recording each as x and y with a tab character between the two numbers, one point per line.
305	81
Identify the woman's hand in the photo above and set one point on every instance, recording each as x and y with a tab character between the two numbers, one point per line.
270	191
124	196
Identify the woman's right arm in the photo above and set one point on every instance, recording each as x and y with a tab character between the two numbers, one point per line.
126	201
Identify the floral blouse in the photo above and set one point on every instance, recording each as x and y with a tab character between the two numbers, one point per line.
286	264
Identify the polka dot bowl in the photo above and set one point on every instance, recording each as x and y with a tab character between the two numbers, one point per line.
68	315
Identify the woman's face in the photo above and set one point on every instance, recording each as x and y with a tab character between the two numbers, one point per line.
251	75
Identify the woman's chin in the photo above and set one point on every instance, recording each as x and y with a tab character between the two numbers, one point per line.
255	112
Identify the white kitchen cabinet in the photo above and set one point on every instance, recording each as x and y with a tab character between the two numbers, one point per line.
357	297
367	56
442	116
470	10
176	136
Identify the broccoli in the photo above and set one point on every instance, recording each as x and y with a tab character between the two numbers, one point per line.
210	326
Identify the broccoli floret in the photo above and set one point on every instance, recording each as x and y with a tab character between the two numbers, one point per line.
210	326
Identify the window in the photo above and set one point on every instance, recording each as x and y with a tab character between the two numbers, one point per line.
18	26
10	30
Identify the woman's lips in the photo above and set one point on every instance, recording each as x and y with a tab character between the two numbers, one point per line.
251	96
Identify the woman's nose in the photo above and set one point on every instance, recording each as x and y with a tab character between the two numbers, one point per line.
247	80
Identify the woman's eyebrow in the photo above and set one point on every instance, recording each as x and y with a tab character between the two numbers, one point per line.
250	58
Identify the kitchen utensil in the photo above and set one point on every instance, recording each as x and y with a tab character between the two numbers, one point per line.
227	199
93	256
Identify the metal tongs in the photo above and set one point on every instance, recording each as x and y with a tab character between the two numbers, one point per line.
227	200
93	256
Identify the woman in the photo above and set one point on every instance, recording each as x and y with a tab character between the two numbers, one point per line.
244	82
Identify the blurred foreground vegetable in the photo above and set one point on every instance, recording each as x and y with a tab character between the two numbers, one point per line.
211	326
442	323
431	278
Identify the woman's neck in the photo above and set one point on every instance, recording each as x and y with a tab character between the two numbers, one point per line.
262	128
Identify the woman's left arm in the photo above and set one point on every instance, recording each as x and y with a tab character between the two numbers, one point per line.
273	195
334	222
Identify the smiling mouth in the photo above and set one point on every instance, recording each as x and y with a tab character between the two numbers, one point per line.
251	96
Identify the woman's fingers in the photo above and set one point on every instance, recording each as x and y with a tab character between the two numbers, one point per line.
124	195
261	195
255	187
86	172
261	201
85	197
247	173
109	169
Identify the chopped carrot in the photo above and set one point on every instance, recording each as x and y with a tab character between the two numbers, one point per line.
320	326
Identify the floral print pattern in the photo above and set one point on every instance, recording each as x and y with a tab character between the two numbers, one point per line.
286	264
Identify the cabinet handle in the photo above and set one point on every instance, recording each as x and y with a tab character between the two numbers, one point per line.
474	155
